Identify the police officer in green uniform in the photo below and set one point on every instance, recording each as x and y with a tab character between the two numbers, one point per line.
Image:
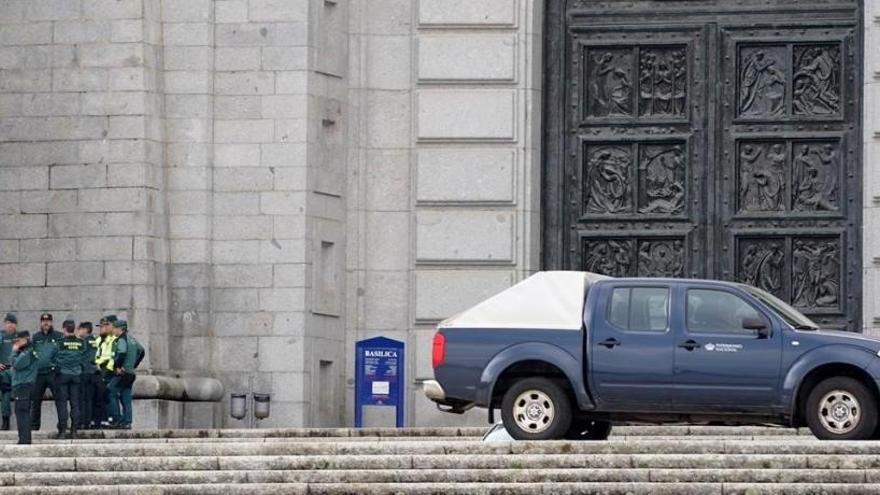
88	390
25	366
68	362
125	353
105	371
10	328
45	343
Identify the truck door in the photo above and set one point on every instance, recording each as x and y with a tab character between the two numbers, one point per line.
719	363
631	348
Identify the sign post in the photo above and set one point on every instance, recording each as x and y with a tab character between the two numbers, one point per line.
379	365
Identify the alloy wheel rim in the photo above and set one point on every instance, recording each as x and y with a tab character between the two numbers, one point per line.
839	411
533	411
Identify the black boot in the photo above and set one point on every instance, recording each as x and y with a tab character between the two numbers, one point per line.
5	426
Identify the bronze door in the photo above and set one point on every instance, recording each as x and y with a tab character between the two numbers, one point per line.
701	139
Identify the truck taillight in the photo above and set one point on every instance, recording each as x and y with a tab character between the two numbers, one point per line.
439	350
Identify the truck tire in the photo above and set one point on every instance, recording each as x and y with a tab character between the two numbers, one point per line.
841	408
536	409
588	429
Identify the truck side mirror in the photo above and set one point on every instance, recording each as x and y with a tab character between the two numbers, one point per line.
757	324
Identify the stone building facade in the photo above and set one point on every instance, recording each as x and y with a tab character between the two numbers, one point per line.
257	184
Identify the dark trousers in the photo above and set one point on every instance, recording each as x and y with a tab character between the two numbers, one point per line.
119	394
44	381
22	395
102	396
87	398
67	392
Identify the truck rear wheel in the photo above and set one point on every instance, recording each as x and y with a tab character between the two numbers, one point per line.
536	409
841	408
588	429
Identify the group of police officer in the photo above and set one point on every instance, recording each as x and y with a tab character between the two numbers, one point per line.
92	374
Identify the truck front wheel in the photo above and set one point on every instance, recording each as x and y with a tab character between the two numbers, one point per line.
841	408
536	409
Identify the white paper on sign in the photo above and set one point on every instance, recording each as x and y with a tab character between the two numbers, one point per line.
381	388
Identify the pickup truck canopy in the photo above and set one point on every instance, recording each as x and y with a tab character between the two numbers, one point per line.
546	300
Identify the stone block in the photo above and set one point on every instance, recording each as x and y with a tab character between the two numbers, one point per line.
467	115
387	238
129	272
292	82
23	275
293	130
242	324
76	224
48	201
237	107
467	13
465	175
9	252
23	178
243	275
389	119
386	294
188	130
290	179
289	323
242	227
236	203
237	353
78	176
188	82
50	249
186	10
81	31
75	273
389	17
51	10
236	251
281	354
389	62
128	30
112	199
278	10
20	81
104	248
31	33
388	180
284	275
242	179
283	203
285	106
187	106
110	56
285	58
50	104
465	236
237	300
486	57
113	9
244	131
283	251
283	154
230	11
128	127
131	175
187	33
189	250
10	203
237	58
262	34
188	202
188	227
244	83
443	293
132	79
188	58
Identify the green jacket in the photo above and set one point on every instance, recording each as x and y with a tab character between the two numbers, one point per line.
6	341
46	345
90	351
25	364
69	359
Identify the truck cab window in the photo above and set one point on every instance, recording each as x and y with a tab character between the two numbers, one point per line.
639	308
715	311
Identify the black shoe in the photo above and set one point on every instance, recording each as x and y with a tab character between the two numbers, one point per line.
5	426
59	435
70	435
35	427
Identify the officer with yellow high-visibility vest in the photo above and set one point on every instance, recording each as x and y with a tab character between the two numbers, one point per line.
105	365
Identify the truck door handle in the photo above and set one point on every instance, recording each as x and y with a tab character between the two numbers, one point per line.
689	345
610	343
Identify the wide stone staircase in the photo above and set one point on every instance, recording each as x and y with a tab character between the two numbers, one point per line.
636	460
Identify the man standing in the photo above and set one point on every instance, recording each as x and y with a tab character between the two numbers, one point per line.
104	365
125	354
45	343
25	366
69	363
10	328
88	378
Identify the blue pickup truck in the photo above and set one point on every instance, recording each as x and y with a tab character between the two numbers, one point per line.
565	354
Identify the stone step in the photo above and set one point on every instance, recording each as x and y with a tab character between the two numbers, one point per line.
645	445
462	461
463	489
449	475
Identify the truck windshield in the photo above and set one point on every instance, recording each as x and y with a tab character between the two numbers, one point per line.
791	316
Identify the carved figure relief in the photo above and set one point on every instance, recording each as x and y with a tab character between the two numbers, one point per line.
608	184
663	81
610	82
661	258
612	257
816	80
816	273
762	81
761	264
762	176
815	176
662	173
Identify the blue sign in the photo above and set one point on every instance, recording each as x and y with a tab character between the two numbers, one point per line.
379	366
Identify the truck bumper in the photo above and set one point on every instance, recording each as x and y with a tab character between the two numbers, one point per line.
434	391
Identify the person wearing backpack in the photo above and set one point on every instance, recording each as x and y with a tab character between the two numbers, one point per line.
127	355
